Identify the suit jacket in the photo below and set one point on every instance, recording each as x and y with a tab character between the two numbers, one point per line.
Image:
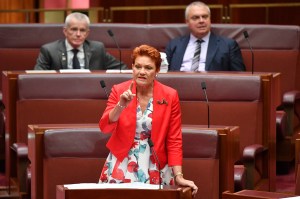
166	124
223	54
53	56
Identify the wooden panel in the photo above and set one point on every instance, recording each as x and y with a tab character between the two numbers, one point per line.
265	13
15	17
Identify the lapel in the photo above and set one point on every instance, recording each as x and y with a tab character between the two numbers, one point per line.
211	50
87	55
159	110
63	55
181	50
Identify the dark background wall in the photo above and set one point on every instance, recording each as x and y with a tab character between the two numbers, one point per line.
167	11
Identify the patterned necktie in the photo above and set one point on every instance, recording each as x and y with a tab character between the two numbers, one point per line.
76	64
196	58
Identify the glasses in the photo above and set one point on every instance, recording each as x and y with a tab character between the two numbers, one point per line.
82	31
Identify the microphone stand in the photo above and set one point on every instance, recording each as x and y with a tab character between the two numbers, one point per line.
116	43
246	35
102	83
156	159
203	85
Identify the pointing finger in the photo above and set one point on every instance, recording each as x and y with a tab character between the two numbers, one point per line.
131	85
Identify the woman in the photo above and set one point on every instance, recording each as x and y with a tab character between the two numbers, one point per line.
139	110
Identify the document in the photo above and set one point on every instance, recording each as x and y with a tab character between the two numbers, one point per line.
129	71
135	185
74	71
40	71
118	71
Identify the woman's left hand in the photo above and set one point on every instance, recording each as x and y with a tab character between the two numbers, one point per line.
188	183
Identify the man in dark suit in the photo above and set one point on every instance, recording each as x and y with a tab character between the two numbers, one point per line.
202	50
88	54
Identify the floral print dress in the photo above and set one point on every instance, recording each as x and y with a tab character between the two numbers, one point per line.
140	165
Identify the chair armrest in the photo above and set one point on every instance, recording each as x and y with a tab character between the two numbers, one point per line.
253	158
28	181
22	161
290	97
2	106
281	125
21	150
239	178
250	153
291	105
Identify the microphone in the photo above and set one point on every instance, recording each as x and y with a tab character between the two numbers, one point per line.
111	34
102	83
151	145
246	35
203	85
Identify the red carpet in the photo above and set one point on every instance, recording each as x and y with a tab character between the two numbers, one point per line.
286	183
2	180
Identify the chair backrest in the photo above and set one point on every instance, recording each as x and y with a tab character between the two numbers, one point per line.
72	156
78	98
78	155
201	161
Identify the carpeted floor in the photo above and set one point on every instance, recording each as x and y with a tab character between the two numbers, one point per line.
286	183
2	180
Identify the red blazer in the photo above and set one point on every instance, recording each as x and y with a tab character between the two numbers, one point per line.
166	124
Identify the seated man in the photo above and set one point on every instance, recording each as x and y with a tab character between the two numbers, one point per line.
202	50
75	52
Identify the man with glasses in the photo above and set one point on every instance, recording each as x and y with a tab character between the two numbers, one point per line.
75	51
202	50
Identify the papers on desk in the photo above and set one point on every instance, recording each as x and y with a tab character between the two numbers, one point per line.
74	71
135	185
118	71
295	197
39	71
129	71
61	71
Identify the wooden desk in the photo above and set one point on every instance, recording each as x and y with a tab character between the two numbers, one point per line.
165	193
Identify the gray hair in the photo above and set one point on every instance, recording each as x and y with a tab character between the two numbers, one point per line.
77	15
195	3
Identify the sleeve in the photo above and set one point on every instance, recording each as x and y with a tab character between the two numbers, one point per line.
104	124
112	63
174	137
43	60
169	52
236	59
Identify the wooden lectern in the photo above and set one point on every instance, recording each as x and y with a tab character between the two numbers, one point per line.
168	192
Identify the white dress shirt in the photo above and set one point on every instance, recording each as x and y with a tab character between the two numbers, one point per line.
190	50
80	56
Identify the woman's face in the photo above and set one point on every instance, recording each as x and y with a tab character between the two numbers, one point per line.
144	71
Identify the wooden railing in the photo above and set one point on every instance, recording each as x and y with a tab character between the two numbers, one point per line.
215	7
266	6
96	14
231	13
